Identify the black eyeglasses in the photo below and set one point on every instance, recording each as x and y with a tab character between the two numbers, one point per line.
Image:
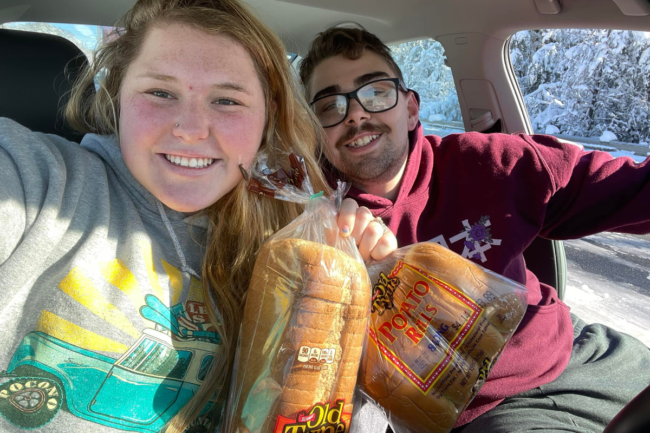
375	97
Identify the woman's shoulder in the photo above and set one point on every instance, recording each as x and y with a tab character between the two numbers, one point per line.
24	147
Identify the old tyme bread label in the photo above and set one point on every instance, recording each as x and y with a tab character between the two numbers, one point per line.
420	322
320	418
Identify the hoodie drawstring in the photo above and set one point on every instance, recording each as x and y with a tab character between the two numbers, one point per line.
177	244
181	256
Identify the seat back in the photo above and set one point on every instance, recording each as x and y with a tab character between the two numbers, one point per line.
547	260
36	76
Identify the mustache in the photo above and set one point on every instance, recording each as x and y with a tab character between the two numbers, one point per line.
352	132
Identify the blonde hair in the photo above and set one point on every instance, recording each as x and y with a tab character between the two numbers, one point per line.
240	221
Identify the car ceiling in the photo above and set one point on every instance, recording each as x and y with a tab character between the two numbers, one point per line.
298	21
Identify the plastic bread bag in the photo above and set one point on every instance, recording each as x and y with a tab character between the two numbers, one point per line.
305	317
438	324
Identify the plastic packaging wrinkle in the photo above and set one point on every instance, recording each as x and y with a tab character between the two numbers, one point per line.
438	324
306	315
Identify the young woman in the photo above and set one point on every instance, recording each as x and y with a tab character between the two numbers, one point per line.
104	316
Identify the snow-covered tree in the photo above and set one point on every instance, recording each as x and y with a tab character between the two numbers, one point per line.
580	82
585	82
423	65
622	104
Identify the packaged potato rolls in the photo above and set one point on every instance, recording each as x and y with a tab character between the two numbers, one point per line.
438	325
305	318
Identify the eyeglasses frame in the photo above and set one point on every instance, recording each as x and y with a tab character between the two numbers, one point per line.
399	85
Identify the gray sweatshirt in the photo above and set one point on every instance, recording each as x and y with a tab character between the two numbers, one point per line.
103	322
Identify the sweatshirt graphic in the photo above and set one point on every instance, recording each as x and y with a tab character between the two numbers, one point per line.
61	362
103	326
476	239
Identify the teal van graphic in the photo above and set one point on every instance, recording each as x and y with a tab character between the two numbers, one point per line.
140	391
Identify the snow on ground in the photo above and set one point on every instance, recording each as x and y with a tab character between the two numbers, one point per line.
551	129
608	136
608	282
636	158
614	151
620	309
599	147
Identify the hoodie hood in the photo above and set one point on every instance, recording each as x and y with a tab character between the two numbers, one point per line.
107	147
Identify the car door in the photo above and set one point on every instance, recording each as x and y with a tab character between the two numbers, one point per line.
144	385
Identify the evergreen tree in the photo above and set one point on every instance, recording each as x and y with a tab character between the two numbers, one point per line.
585	82
423	66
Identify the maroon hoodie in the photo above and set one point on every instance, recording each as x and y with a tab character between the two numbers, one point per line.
503	191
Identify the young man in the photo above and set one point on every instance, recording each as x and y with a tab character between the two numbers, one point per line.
487	197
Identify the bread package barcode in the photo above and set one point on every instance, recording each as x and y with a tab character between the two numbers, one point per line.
305	319
438	324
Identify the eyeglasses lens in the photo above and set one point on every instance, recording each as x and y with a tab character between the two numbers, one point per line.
378	96
330	110
374	97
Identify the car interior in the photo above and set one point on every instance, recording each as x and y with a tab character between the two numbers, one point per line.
37	70
44	66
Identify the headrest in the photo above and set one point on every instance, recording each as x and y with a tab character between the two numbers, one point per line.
37	73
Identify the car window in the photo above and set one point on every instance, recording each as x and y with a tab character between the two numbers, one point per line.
165	361
157	359
423	65
138	354
590	86
85	37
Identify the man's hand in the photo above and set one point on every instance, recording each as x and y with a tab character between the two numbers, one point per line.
374	239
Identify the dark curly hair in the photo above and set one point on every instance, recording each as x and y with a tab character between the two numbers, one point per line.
347	42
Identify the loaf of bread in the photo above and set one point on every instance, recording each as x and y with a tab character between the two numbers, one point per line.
438	324
301	340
